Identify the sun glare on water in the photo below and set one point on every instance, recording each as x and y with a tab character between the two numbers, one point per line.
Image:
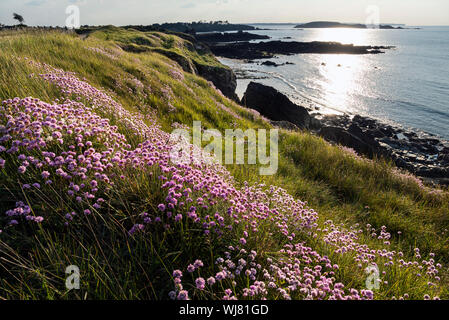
342	74
342	35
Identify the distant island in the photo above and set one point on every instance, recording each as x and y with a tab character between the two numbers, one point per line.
331	24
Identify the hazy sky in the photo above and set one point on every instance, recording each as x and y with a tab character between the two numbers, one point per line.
121	12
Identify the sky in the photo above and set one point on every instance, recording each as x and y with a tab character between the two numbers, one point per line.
121	12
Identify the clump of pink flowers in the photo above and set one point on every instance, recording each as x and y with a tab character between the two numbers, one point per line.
113	54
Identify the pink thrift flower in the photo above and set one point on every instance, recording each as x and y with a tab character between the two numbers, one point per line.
183	295
200	283
211	281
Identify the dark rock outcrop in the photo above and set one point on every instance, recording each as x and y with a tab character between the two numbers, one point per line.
344	137
229	37
354	138
274	105
223	79
274	64
270	64
268	49
185	63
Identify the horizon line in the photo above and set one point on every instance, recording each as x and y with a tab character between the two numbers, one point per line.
241	23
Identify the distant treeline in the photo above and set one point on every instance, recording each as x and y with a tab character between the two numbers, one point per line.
24	26
202	26
4	26
184	27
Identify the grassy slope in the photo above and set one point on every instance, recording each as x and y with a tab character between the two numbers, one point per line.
338	185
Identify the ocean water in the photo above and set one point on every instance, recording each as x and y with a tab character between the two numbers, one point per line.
407	86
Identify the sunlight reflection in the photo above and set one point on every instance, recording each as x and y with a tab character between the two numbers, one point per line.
343	35
342	73
341	76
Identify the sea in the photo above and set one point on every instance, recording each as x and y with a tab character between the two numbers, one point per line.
407	86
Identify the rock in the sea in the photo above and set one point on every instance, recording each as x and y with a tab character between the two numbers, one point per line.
275	105
270	63
274	64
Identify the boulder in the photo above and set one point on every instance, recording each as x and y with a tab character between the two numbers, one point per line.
443	156
355	130
433	172
270	64
346	138
315	124
274	105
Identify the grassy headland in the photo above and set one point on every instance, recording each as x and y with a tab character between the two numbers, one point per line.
130	220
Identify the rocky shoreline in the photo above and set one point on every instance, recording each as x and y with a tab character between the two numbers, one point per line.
215	37
269	49
423	155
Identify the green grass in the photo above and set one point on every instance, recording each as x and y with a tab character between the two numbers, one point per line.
341	187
